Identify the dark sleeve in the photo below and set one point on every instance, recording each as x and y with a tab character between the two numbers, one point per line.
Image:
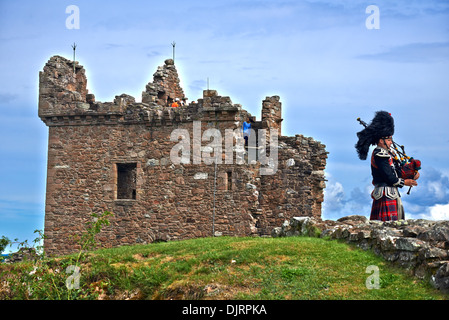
388	172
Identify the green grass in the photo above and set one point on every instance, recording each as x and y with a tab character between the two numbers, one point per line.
232	268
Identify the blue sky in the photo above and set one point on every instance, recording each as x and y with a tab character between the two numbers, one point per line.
318	56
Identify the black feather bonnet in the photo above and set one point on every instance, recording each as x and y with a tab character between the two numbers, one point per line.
382	126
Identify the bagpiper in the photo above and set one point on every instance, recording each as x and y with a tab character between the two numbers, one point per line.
388	174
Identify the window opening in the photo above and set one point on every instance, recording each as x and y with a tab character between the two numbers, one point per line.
126	180
229	180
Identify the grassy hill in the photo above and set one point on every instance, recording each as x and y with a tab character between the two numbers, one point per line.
215	268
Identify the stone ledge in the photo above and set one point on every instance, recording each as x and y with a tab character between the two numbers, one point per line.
125	202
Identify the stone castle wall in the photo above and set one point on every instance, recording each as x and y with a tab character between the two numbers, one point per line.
116	156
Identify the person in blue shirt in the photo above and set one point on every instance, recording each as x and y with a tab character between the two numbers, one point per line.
246	130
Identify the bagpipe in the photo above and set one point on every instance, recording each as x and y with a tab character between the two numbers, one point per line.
409	166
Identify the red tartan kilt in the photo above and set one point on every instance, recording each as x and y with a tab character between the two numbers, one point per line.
384	209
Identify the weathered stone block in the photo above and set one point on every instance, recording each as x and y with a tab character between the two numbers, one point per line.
409	244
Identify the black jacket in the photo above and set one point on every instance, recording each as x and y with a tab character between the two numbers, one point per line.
384	170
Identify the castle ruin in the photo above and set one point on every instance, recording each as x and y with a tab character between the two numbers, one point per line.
118	157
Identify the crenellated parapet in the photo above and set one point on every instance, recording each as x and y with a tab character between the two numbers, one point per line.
64	100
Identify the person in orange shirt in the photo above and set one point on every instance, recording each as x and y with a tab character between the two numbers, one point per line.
176	103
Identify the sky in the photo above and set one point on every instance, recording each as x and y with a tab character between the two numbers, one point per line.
330	61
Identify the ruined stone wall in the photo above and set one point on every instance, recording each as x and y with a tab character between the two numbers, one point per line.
165	87
60	89
172	201
116	156
272	113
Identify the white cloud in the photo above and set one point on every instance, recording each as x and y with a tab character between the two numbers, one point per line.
335	191
334	195
438	190
432	189
439	212
435	212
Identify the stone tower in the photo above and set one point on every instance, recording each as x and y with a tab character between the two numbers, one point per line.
119	156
